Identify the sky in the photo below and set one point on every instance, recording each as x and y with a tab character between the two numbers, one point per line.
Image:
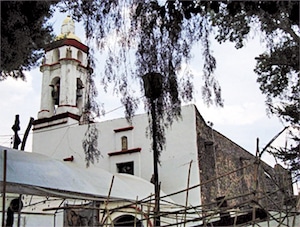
243	118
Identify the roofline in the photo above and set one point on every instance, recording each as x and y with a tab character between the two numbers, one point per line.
55	117
67	42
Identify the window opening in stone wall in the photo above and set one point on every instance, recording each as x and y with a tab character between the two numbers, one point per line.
124	142
126	167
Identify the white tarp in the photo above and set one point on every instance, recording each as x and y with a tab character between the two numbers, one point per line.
36	174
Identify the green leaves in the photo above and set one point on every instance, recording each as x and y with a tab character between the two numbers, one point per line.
24	33
159	37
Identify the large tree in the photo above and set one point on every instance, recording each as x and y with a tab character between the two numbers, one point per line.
162	33
24	33
159	35
278	67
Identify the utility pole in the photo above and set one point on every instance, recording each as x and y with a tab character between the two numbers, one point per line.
153	89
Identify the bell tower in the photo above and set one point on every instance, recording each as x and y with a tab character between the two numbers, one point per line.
64	82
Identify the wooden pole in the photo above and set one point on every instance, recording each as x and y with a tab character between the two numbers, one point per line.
257	157
107	201
4	186
16	128
187	192
22	148
26	133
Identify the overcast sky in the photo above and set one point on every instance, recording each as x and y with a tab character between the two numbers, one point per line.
242	119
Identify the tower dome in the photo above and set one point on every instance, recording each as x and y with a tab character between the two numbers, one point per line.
68	30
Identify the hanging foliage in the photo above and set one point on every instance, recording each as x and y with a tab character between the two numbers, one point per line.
90	145
159	36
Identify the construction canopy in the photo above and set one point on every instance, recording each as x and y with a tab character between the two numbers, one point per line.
36	174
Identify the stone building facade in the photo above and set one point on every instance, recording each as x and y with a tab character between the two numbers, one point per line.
238	175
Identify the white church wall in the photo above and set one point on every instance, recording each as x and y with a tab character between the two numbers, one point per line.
124	147
61	142
181	150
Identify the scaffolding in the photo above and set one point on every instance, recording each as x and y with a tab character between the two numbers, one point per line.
254	210
250	212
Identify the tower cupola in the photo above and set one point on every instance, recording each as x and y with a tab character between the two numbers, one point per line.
64	80
68	30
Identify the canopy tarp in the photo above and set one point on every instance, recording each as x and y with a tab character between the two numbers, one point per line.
37	174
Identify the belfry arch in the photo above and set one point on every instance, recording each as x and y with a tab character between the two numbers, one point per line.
55	85
79	93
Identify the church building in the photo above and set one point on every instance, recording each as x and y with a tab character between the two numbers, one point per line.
204	176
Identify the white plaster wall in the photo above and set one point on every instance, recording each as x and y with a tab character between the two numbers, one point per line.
63	51
181	149
84	59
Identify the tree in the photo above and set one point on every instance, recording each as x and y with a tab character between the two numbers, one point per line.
160	35
278	67
24	33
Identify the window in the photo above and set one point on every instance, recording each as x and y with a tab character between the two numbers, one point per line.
125	167
124	142
79	56
127	220
69	53
79	92
55	90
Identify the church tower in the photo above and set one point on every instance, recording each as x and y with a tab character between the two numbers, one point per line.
64	80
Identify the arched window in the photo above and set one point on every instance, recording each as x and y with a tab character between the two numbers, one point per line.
69	53
124	143
127	220
79	91
55	90
79	56
56	55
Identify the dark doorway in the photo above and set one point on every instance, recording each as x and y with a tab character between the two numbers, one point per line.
127	220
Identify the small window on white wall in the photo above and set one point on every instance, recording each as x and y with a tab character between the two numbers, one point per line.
124	143
125	167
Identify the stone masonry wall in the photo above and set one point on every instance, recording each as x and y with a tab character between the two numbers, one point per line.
258	181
